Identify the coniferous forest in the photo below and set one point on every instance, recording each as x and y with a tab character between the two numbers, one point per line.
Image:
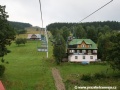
114	25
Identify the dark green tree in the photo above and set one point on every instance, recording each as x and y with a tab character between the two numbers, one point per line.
106	29
92	33
80	32
59	48
114	52
7	34
19	41
104	44
65	33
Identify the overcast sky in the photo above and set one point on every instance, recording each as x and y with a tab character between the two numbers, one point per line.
61	11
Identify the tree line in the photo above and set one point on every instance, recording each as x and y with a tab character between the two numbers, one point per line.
114	25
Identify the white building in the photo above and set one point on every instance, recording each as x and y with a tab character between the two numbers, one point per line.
34	36
82	50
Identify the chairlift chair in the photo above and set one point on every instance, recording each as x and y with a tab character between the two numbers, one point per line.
43	46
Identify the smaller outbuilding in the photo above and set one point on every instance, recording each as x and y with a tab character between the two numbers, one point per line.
34	36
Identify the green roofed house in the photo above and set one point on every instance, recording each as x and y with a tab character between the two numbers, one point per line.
82	50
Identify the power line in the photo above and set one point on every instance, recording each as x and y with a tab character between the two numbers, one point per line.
96	10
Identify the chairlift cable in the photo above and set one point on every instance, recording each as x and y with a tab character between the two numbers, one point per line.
41	12
96	10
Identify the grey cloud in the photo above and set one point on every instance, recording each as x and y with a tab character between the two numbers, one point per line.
61	10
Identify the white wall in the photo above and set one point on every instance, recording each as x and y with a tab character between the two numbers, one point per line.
71	58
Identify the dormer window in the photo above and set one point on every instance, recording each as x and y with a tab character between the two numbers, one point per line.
83	45
90	45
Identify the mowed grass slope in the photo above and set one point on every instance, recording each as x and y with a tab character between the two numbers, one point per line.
27	69
72	73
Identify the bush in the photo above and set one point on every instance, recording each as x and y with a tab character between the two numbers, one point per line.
19	41
99	75
8	51
86	77
2	70
99	63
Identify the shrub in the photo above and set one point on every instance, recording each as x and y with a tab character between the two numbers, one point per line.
2	70
99	75
99	63
19	41
8	51
86	77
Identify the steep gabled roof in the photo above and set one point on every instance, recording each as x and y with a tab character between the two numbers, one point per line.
87	41
37	35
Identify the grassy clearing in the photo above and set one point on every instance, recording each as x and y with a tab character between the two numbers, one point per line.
27	69
68	69
72	73
22	36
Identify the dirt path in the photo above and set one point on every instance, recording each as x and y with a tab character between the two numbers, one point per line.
58	80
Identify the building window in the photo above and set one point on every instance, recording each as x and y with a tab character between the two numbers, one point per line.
83	57
89	51
83	45
71	51
78	51
75	51
91	57
76	57
83	51
94	51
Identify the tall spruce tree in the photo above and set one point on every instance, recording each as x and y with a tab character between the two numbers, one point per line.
65	33
92	33
59	48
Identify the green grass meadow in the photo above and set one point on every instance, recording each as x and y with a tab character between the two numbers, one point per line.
29	69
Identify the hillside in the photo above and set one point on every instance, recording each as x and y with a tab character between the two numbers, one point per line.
22	28
19	25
